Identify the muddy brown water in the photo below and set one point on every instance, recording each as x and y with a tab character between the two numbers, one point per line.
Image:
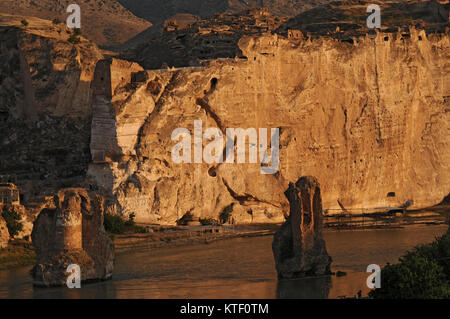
234	268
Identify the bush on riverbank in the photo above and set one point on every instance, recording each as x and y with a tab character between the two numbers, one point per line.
13	223
208	222
17	254
225	215
423	273
114	224
187	218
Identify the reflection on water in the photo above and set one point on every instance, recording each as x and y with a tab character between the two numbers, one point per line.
312	288
236	268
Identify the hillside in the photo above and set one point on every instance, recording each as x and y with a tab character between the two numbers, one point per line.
160	11
186	40
106	22
157	11
182	44
350	17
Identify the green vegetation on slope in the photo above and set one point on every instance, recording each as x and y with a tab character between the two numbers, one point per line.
16	255
423	273
12	222
116	225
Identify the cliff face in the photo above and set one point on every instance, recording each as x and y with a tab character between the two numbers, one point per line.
45	104
370	120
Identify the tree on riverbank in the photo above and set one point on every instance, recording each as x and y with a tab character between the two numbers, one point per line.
12	222
423	273
114	224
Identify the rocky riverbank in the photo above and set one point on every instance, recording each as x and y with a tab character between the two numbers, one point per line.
165	236
20	253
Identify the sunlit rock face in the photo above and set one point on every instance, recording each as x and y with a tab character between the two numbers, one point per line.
298	246
368	119
73	233
367	116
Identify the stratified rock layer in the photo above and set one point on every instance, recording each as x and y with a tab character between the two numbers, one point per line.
298	246
73	233
4	233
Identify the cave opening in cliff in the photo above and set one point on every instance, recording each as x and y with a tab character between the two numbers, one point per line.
212	172
213	83
390	194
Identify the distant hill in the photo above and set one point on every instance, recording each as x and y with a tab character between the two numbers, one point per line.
157	11
189	40
350	16
106	22
160	11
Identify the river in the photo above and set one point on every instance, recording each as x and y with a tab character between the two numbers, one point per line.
234	268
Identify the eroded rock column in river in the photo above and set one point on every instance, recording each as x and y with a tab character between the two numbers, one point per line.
298	246
73	233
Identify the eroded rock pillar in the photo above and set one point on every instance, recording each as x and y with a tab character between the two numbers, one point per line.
68	225
73	233
298	246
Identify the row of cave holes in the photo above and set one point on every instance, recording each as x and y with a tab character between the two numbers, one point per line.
403	37
386	39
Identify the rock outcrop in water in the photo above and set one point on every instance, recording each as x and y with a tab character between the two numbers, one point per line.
73	233
4	233
298	246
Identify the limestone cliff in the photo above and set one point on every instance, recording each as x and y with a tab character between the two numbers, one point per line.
369	119
45	105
